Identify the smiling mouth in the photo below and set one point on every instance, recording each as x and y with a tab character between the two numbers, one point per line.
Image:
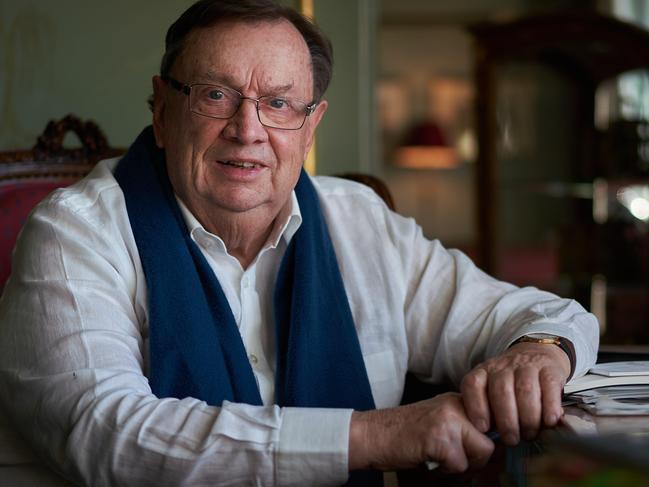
240	164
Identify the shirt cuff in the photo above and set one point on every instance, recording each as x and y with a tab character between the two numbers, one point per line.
313	447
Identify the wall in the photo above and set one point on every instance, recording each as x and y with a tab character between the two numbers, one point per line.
347	135
91	58
95	59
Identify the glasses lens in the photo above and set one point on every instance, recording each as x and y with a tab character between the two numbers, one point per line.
222	102
281	113
214	101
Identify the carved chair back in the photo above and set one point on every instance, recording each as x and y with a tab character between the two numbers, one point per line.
27	176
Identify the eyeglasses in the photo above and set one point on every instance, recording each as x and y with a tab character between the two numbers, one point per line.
221	102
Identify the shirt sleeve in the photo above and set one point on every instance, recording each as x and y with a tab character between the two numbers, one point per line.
72	362
457	316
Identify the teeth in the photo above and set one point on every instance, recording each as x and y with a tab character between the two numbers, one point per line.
244	165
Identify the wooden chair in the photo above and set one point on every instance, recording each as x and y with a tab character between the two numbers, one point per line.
27	176
373	182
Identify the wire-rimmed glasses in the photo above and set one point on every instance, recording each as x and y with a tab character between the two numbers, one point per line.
222	102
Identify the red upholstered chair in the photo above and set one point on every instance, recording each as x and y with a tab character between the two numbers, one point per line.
27	176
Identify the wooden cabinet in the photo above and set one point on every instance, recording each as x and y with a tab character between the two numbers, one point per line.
549	179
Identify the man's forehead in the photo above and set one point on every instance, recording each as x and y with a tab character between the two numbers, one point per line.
274	49
225	78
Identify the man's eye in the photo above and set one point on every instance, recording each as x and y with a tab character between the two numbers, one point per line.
278	103
215	95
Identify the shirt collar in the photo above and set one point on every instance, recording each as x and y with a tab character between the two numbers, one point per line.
292	218
286	224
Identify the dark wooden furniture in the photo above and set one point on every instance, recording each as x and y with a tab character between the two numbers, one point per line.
373	182
545	169
27	176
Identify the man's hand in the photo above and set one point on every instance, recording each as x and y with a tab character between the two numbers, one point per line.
407	436
520	390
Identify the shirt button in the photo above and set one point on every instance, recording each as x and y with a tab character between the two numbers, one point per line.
253	359
245	282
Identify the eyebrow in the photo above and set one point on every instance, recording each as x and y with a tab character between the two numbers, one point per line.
226	80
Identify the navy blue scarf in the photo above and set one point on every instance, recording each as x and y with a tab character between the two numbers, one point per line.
195	346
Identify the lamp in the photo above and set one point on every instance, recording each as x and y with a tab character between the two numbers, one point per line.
635	198
425	147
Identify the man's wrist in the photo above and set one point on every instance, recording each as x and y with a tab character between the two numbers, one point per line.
558	341
358	441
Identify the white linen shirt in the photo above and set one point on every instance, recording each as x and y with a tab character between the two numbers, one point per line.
74	340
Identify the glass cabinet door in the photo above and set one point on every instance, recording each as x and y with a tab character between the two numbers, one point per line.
563	164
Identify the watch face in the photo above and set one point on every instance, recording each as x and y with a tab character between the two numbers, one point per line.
542	336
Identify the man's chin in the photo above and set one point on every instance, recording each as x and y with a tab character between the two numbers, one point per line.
243	205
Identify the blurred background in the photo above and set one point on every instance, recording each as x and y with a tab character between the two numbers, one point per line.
514	130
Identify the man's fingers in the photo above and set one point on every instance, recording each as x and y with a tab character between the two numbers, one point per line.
551	391
466	448
475	398
451	457
436	430
528	400
478	448
503	403
518	391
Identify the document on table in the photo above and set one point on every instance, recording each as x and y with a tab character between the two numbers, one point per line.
612	389
621	369
610	374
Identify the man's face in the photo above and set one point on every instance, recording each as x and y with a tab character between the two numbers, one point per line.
204	155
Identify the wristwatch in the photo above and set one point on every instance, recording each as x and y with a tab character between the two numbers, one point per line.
542	338
547	339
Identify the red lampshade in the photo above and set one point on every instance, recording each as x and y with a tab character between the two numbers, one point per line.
425	147
425	133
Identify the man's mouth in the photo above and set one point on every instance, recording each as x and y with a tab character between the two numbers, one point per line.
241	164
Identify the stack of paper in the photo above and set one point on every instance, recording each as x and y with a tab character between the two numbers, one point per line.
614	400
621	369
615	389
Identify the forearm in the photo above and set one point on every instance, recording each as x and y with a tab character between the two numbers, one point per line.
169	442
111	433
466	317
116	436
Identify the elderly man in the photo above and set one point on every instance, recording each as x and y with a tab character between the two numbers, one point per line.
202	312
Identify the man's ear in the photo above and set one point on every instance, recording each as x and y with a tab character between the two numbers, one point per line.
312	122
158	110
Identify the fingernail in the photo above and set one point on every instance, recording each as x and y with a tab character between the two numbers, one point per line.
551	419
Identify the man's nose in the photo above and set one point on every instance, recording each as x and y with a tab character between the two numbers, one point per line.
245	125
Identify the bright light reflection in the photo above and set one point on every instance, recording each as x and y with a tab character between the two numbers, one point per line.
636	199
639	208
